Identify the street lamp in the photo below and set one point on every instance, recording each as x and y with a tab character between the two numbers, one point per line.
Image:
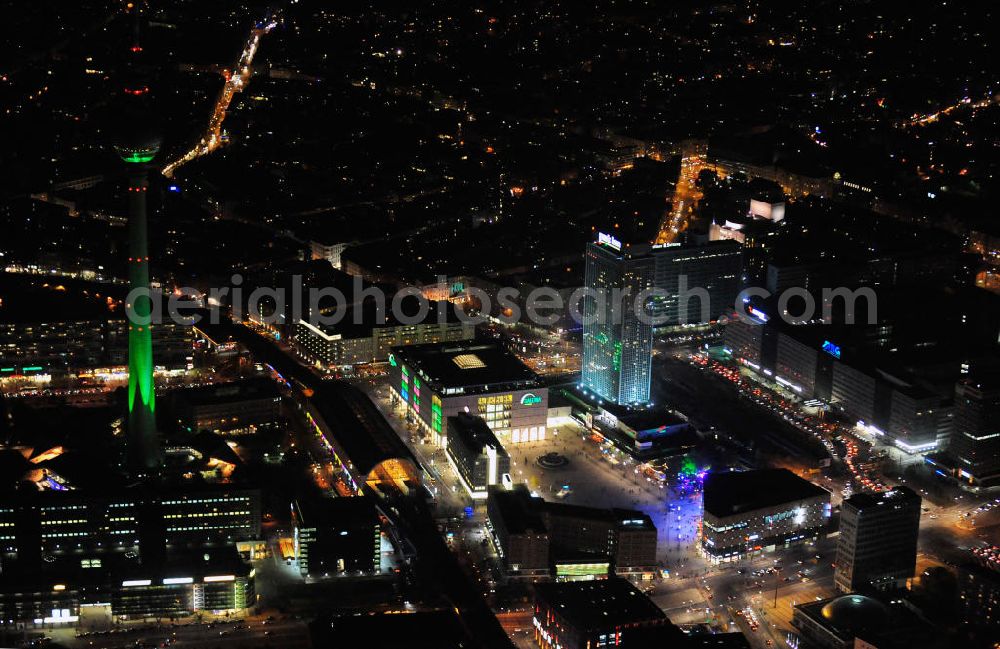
777	582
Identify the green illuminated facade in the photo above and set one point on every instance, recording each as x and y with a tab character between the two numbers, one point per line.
617	342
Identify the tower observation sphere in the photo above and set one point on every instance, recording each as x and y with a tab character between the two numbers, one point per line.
138	147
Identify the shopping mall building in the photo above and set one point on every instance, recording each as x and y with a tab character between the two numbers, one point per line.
437	381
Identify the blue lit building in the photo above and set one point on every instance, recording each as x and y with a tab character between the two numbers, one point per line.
617	342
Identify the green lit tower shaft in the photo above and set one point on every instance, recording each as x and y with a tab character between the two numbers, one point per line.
137	148
143	446
137	142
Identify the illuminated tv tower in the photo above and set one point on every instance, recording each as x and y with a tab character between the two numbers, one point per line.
138	149
138	144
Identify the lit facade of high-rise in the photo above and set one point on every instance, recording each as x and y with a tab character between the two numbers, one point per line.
698	283
617	339
975	442
877	546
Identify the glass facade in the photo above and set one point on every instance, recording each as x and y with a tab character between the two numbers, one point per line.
617	343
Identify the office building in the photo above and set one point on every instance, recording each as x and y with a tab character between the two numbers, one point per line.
917	418
437	381
218	581
617	337
337	536
219	515
627	538
520	535
699	282
330	252
591	614
173	342
744	339
50	341
978	596
885	399
240	408
137	551
477	455
143	521
877	546
854	390
749	512
694	284
28	347
533	535
348	343
222	583
432	629
796	364
975	442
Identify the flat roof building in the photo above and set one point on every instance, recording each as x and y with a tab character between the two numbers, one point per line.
180	584
143	521
829	363
746	512
335	536
477	455
855	620
835	623
238	408
877	545
699	282
583	615
437	381
519	531
975	442
646	433
360	337
531	534
436	629
626	537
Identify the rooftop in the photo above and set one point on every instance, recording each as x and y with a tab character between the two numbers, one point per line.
895	495
362	431
521	512
421	630
474	432
361	320
53	301
848	615
599	604
638	418
259	388
631	518
182	566
645	419
472	365
736	492
342	512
